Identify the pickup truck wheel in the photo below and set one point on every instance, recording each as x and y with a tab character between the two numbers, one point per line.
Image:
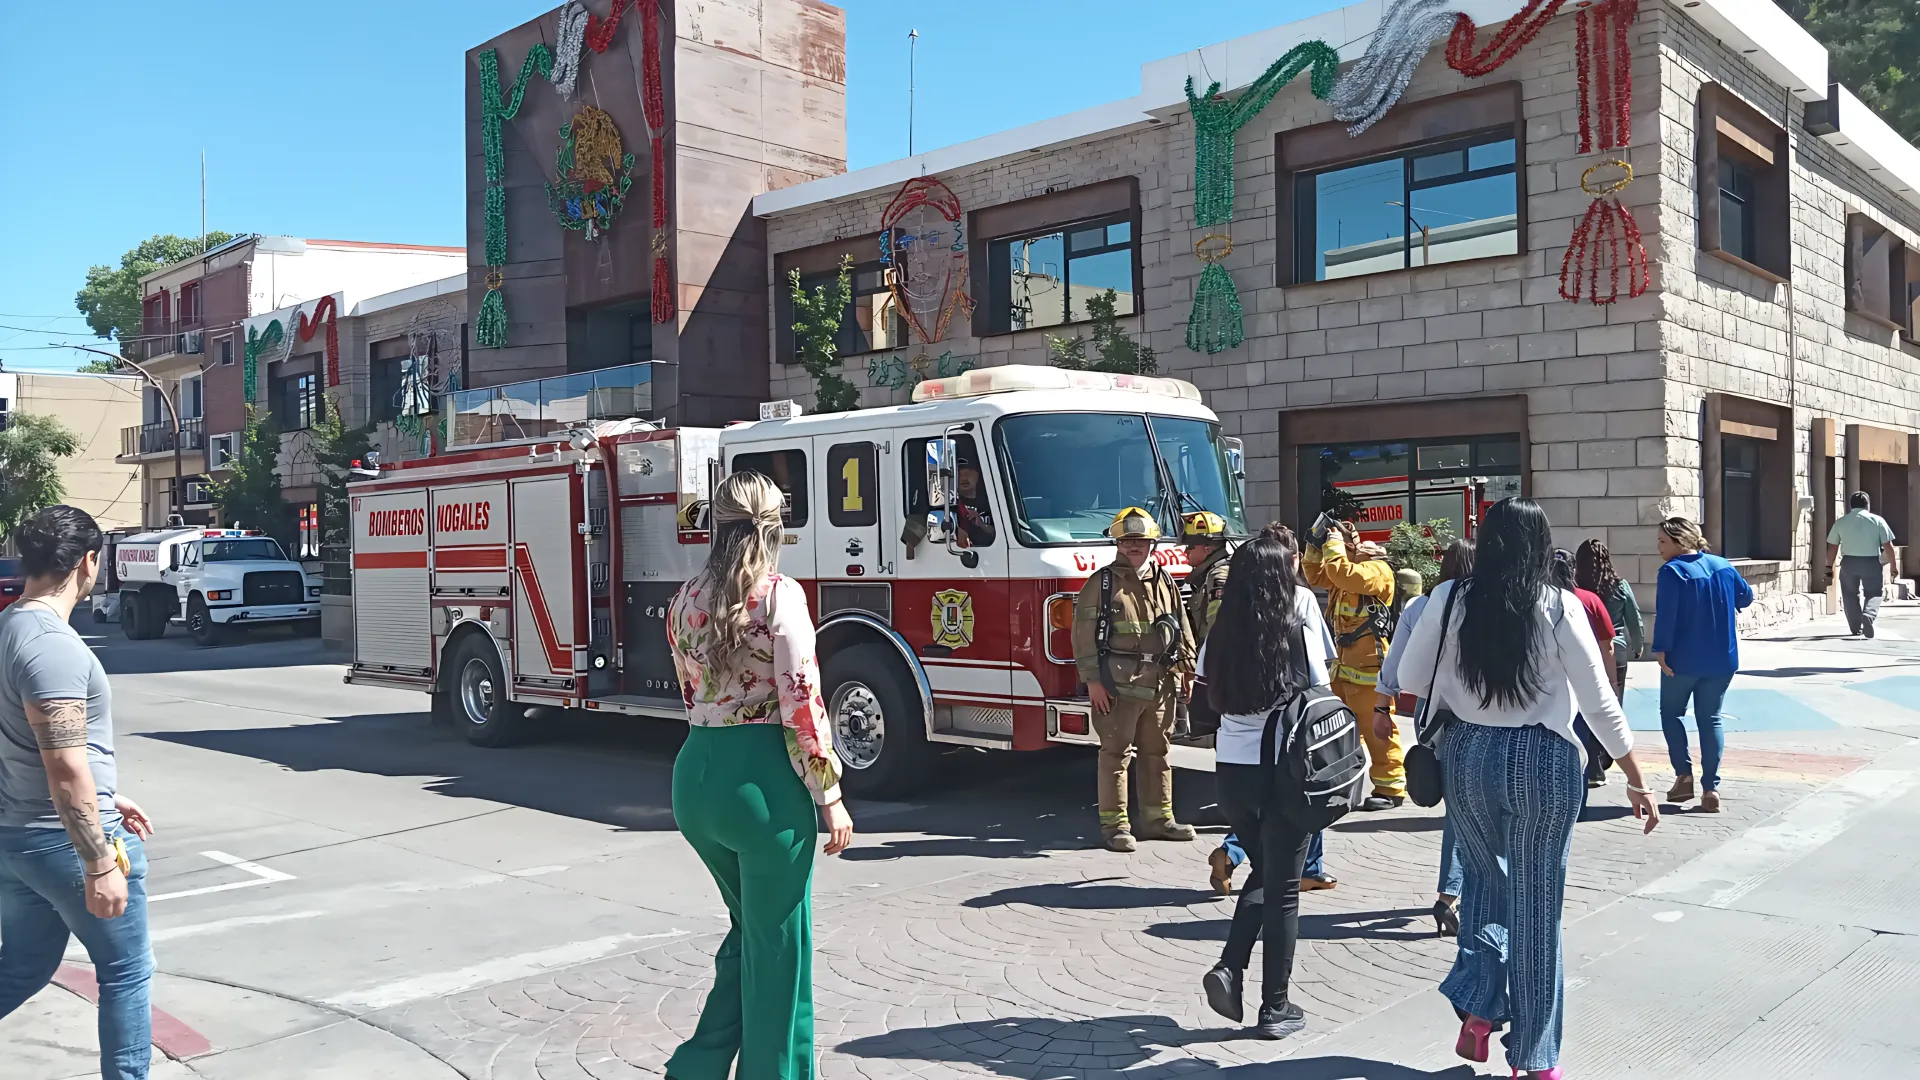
480	706
201	625
878	727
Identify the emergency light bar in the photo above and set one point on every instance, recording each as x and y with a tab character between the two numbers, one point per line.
1011	377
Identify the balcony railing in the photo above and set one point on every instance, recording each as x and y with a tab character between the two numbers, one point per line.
540	407
158	438
168	338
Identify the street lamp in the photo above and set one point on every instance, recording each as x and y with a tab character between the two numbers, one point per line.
173	414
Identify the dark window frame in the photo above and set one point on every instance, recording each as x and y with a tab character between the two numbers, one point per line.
224	349
913	457
1882	269
997	248
794	514
291	418
1727	127
848	341
1305	200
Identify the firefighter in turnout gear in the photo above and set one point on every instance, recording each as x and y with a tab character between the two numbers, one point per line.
1135	653
1205	535
1359	585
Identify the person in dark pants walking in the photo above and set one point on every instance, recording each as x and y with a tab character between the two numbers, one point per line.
1698	648
1857	546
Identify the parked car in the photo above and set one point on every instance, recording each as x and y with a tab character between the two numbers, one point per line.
12	582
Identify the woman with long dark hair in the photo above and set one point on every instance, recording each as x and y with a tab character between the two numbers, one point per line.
1593	571
1510	664
1266	614
758	745
1456	564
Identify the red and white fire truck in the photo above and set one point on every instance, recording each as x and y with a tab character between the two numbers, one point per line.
941	544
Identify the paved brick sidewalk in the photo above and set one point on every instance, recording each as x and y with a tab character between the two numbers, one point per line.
1075	962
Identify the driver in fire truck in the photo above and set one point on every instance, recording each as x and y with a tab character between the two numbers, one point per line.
973	515
1359	584
1134	651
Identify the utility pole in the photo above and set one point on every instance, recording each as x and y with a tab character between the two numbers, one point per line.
913	46
203	200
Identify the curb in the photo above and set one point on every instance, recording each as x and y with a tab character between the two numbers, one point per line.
171	1035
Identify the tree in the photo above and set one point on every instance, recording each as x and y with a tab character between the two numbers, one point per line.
816	326
99	365
30	451
1116	349
249	495
1418	546
337	449
1873	46
111	298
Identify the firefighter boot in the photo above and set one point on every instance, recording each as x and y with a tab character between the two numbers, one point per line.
1153	738
1166	829
1117	838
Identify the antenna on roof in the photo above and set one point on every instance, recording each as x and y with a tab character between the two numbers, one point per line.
913	45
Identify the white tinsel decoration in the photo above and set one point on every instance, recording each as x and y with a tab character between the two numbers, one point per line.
1375	82
571	39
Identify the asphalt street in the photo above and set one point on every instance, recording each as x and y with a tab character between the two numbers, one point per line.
340	889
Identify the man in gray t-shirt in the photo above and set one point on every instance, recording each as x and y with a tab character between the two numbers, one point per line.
43	659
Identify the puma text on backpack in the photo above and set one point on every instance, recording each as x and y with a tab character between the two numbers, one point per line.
1315	738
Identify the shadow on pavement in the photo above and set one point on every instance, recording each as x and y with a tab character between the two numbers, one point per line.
1364	823
1400	924
266	647
1796	672
1043	1049
1095	895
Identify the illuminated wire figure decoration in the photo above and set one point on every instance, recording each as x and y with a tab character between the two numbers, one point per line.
923	244
595	172
898	373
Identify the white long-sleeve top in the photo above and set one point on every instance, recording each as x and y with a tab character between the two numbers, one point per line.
1573	677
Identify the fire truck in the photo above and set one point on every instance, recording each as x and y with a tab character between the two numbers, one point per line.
941	544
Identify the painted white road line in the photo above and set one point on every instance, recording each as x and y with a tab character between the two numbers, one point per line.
262	875
537	871
1722	876
175	933
487	973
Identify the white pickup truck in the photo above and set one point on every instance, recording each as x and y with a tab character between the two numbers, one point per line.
210	580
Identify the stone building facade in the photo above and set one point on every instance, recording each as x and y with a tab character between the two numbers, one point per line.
1770	368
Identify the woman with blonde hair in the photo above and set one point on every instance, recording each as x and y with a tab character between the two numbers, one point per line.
758	744
1695	639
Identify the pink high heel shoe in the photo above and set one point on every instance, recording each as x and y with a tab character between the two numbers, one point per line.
1472	1043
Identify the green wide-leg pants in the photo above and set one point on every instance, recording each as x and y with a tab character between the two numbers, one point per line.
739	803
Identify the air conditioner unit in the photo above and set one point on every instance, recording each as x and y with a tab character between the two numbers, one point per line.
192	342
198	493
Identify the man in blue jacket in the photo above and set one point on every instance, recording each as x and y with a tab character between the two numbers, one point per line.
1698	647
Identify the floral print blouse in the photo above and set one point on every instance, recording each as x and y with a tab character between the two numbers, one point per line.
776	681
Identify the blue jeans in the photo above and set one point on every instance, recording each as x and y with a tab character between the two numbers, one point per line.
1707	692
42	900
1316	855
1513	795
1451	872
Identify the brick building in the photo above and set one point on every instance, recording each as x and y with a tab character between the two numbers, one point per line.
1407	353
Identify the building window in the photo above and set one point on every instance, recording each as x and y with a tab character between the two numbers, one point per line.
219	451
871	322
226	351
1741	161
296	401
192	402
1747	481
1421	206
1740	497
190	305
1047	278
788	470
383	388
1382	484
1883	276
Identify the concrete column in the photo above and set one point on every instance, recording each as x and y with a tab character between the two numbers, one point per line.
1820	489
1855	480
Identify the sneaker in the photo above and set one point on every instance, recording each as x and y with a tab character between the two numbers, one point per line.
1682	789
1117	838
1866	630
1315	884
1710	802
1166	829
1220	873
1378	801
1282	1022
1222	987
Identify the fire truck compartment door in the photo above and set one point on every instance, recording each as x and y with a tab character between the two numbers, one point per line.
392	622
547	594
469	529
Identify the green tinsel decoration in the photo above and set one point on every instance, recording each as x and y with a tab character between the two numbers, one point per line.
495	111
257	343
1215	323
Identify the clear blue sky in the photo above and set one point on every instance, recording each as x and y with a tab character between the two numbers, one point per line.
344	120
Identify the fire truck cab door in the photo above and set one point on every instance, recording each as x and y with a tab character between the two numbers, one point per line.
849	538
957	617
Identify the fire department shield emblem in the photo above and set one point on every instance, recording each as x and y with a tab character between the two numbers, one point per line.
952	619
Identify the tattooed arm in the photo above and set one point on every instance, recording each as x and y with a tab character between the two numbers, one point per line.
60	727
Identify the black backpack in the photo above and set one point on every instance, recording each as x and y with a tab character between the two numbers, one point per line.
1315	738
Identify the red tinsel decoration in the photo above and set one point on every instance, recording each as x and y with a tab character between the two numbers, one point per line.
1605	72
1518	31
600	31
1607	237
328	310
1583	61
653	103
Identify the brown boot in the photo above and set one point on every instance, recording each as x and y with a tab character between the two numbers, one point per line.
1220	871
1682	790
1117	838
1166	829
1709	802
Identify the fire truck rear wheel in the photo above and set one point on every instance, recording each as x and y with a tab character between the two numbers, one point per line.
480	706
878	728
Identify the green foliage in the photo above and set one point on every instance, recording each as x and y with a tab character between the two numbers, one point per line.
1115	350
30	451
99	365
1418	546
249	495
111	298
1873	47
336	447
816	322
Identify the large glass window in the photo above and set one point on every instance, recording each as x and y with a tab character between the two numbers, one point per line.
1740	497
871	322
788	471
1423	206
1380	485
1069	473
247	550
1048	279
296	401
1736	208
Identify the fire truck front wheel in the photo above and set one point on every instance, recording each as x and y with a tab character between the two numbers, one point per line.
477	693
878	729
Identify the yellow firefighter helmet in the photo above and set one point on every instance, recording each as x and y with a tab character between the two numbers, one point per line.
1134	523
1203	525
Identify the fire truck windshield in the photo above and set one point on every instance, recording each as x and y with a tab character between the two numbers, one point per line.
241	550
1069	473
